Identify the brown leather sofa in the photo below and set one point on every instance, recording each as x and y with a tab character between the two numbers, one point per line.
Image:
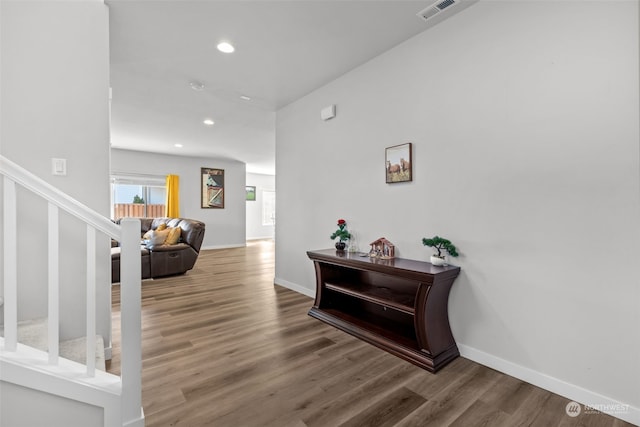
164	260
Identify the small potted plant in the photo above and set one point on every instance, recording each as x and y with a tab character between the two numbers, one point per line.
440	244
342	234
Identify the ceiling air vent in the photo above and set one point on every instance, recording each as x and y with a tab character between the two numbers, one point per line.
436	8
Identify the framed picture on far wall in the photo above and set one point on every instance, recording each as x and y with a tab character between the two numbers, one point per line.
212	181
397	163
251	193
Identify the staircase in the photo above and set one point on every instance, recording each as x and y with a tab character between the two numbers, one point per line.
48	381
34	333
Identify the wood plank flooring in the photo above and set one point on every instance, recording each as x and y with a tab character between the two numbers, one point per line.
222	346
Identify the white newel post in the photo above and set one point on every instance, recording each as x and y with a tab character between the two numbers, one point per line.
131	320
10	266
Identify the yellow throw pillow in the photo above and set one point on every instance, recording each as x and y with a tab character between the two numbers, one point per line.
161	227
174	235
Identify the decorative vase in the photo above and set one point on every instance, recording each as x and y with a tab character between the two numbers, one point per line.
439	261
340	246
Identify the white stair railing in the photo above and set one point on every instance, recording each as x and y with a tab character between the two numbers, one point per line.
10	265
127	233
53	284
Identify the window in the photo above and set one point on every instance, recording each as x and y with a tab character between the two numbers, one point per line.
268	207
142	197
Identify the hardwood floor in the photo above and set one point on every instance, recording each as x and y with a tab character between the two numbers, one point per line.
223	346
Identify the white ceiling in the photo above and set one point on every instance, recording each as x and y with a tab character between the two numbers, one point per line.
284	50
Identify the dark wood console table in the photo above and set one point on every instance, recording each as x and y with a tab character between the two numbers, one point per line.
399	305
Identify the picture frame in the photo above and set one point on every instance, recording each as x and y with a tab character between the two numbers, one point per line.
251	193
212	188
398	163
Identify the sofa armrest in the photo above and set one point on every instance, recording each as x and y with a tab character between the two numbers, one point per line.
168	248
171	259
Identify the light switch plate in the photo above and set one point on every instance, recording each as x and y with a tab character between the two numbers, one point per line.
59	166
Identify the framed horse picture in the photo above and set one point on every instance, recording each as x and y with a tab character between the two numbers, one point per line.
397	163
212	186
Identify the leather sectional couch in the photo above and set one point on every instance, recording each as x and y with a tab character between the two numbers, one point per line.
159	259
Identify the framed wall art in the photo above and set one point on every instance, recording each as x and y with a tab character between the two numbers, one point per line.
251	193
212	181
398	163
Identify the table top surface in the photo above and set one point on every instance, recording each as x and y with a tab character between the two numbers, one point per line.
363	260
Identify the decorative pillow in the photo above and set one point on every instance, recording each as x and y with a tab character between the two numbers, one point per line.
147	235
157	237
174	235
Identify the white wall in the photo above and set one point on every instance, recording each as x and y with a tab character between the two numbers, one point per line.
54	103
255	229
224	227
524	120
25	407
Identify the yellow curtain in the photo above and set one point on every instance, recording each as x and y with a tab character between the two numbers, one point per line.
173	196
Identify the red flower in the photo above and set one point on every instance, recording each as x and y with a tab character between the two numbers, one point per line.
341	232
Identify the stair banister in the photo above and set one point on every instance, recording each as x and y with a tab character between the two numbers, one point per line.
53	195
10	245
54	283
131	319
127	234
91	301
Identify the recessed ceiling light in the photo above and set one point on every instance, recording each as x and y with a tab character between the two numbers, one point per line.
226	47
245	97
178	145
196	86
208	122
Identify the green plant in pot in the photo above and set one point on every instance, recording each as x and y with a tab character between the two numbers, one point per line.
441	245
342	234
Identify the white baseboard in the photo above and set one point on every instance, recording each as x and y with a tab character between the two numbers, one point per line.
576	393
138	422
108	353
206	248
295	287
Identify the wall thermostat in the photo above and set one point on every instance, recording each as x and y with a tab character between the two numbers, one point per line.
328	113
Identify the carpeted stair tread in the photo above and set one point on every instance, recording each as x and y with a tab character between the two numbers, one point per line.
33	333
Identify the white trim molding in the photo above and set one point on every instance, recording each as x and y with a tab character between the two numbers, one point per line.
295	287
576	393
623	411
208	248
270	237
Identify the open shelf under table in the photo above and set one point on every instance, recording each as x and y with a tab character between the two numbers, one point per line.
398	305
376	294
